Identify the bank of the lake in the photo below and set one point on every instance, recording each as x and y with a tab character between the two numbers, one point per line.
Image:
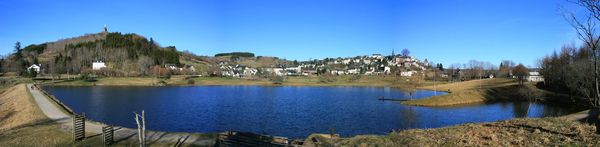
346	80
24	124
523	132
484	90
550	131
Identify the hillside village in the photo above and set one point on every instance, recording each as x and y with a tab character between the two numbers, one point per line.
115	54
375	64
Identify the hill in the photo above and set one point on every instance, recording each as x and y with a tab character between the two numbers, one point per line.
124	55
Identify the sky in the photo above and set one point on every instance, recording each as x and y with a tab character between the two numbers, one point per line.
442	31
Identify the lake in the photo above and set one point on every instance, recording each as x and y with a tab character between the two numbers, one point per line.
289	111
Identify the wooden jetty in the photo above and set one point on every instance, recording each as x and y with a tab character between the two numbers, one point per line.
392	99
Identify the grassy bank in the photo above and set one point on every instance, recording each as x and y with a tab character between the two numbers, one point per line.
349	80
517	132
478	91
23	124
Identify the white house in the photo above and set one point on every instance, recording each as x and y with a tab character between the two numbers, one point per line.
353	71
279	71
36	68
191	68
250	71
294	69
97	65
171	66
534	77
407	73
377	56
386	70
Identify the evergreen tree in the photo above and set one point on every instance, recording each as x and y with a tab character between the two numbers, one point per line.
18	51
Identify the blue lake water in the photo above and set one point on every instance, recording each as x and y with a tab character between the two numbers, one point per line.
288	111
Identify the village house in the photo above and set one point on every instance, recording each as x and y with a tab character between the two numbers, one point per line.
377	56
171	66
278	71
34	67
227	71
190	68
97	65
294	69
250	71
353	71
386	70
534	77
407	73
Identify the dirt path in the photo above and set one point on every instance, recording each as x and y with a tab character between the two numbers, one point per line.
54	112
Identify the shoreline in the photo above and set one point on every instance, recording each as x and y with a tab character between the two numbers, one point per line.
369	81
483	91
94	127
348	140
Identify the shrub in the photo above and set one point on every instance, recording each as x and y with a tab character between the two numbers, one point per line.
354	78
161	83
191	81
87	78
277	80
327	78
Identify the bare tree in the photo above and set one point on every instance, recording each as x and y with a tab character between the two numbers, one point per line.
520	71
144	63
586	32
140	120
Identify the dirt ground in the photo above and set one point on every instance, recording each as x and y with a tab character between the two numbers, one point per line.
517	132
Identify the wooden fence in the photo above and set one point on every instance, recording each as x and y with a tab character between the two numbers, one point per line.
78	127
107	135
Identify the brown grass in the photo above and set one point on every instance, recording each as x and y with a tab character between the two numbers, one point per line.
516	132
474	91
17	108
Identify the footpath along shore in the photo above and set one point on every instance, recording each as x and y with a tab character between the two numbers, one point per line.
53	111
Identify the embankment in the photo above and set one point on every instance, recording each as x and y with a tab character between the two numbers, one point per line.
479	91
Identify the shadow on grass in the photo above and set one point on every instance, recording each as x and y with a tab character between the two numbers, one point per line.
592	119
531	129
38	123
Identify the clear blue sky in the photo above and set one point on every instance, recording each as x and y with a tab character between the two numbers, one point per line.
443	31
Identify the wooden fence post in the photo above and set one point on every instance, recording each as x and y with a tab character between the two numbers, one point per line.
107	135
78	127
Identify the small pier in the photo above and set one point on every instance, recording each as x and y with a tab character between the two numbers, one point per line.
393	99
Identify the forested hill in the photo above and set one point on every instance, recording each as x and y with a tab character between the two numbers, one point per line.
124	55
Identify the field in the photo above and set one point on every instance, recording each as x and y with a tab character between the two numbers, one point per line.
478	91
